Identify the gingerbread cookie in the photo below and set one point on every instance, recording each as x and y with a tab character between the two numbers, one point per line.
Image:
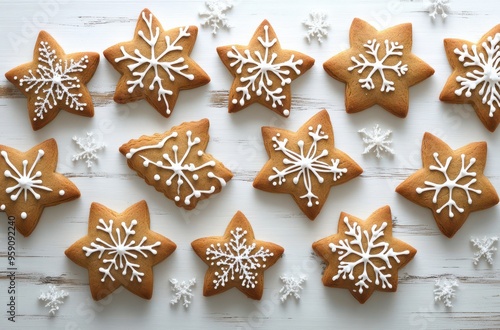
451	183
379	68
475	76
363	256
236	260
120	249
175	163
305	163
263	71
55	81
155	65
29	183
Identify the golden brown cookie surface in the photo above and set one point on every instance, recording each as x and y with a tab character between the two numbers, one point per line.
379	68
451	183
363	256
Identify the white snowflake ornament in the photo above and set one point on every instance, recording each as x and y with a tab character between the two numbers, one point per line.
182	291
215	14
445	290
292	286
54	298
377	141
317	26
486	249
89	146
438	7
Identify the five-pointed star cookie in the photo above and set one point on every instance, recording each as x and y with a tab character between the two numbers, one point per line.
55	81
263	71
476	76
120	249
451	183
363	256
305	163
379	68
175	163
155	65
29	183
236	260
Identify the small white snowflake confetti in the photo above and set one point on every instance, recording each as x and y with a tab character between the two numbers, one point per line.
291	286
438	7
215	14
377	141
445	290
182	291
54	298
485	247
317	26
89	147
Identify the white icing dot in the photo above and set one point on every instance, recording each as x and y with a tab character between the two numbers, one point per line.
156	177
177	198
61	192
195	177
234	101
286	112
200	153
2	207
24	215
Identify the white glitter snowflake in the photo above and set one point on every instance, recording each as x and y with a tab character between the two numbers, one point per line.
317	26
438	7
89	147
182	291
121	252
450	185
306	165
155	62
372	49
291	286
54	79
486	72
361	250
178	167
54	298
485	247
260	68
215	15
377	141
238	260
445	290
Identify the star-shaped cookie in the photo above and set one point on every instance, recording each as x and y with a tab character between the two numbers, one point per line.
305	164
475	78
364	256
236	260
29	183
451	183
379	68
55	81
155	65
120	249
263	71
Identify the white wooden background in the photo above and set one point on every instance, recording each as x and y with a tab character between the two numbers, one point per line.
236	141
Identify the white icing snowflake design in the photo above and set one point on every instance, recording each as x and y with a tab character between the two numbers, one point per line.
53	298
156	62
260	68
185	173
120	251
377	141
317	26
486	73
237	260
89	146
378	64
445	290
364	246
182	291
306	165
486	249
292	286
450	184
215	14
438	7
54	79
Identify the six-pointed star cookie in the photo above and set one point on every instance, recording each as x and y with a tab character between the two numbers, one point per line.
120	249
155	65
305	163
476	76
55	81
237	259
263	71
379	68
363	256
29	183
451	183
